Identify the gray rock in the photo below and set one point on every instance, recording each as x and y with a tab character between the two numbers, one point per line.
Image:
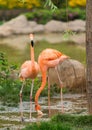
20	25
71	72
18	22
77	26
55	26
32	24
38	29
5	31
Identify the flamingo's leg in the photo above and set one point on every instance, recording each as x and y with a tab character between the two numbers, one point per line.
31	91
21	103
61	84
49	94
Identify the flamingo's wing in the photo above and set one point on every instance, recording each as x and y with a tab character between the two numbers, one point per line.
25	64
50	54
49	58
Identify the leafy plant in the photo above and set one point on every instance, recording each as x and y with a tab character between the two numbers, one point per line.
47	126
51	5
73	119
7	83
43	16
63	122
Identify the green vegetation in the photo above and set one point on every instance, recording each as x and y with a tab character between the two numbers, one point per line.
43	16
64	122
10	85
47	126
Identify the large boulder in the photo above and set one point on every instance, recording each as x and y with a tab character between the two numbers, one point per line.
71	72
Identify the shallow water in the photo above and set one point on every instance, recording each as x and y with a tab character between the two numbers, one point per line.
73	104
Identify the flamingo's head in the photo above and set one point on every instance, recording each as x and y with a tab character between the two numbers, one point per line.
31	38
38	109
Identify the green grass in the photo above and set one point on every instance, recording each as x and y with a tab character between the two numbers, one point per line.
64	122
47	126
12	54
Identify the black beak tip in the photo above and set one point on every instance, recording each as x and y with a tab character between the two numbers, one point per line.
32	43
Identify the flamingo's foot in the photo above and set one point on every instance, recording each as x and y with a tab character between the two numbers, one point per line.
30	119
22	119
40	113
62	111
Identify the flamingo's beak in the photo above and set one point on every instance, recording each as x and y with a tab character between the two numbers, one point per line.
31	38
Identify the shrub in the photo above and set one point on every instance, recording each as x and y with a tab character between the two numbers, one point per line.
43	16
73	119
47	126
64	122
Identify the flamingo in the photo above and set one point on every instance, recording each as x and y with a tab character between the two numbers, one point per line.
48	58
29	69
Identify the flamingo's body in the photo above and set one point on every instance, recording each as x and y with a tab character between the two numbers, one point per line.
48	58
29	69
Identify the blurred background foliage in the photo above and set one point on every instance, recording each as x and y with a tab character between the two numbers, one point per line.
11	4
29	4
78	3
43	16
37	11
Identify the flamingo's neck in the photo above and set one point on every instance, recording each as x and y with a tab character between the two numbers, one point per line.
40	90
32	54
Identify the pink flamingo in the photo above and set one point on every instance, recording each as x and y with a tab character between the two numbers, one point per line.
29	69
47	59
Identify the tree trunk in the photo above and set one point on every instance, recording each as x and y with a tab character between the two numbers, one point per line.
89	53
